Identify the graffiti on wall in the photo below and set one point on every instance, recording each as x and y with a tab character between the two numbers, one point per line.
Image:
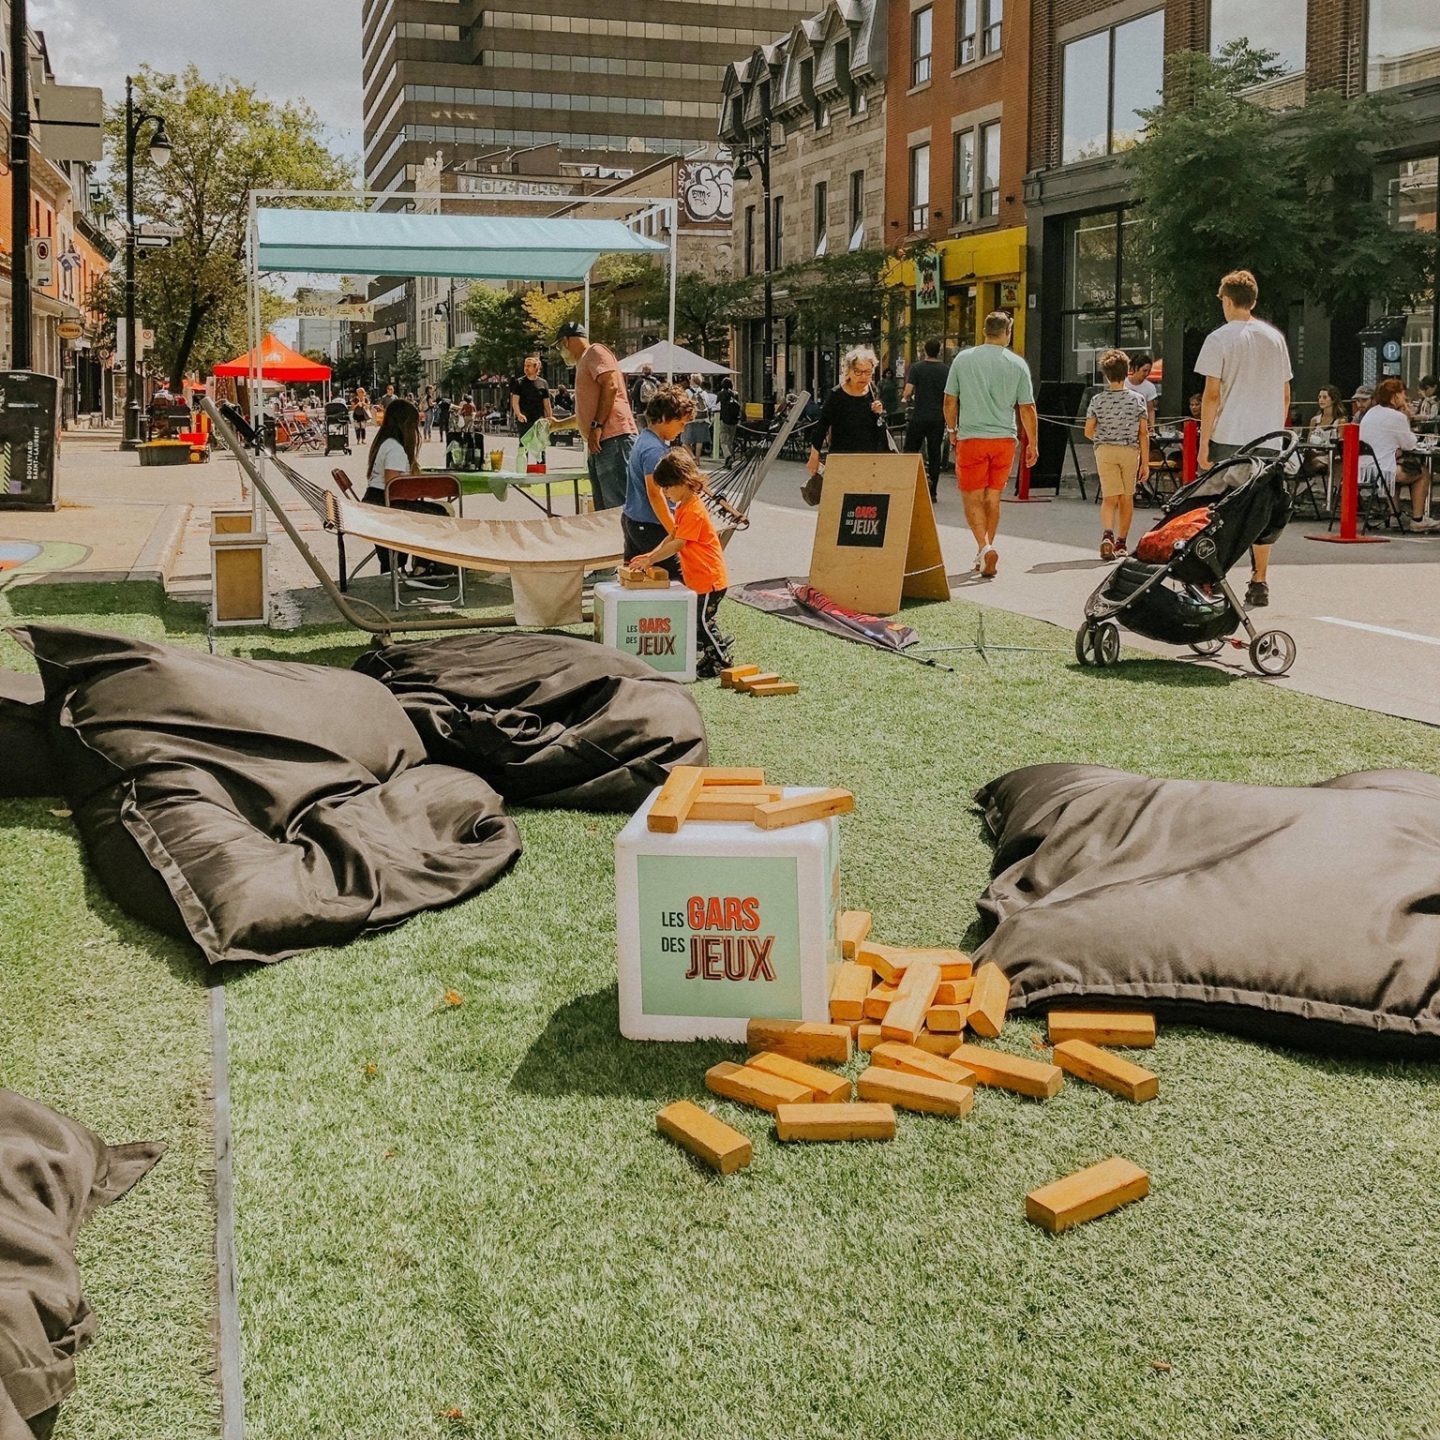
707	192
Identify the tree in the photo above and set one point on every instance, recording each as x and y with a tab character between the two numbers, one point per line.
703	310
1227	181
549	311
504	334
458	371
408	369
226	141
840	297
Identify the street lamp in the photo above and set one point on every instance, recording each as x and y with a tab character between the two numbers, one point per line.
760	154
160	158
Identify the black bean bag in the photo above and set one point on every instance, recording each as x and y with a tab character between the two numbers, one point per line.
54	1174
25	765
257	808
548	720
1307	915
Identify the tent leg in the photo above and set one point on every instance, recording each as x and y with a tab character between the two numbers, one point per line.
672	267
587	302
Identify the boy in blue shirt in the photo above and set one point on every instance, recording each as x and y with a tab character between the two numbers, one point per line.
645	517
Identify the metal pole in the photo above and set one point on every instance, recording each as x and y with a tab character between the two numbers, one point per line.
674	264
20	299
769	363
132	383
587	302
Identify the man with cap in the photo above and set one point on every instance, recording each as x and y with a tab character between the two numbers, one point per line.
602	410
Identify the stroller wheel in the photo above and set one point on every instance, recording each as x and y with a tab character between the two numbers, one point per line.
1085	644
1272	652
1208	647
1098	644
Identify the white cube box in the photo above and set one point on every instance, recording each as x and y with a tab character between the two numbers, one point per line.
724	921
656	626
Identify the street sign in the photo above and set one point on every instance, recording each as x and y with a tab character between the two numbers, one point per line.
27	440
42	260
69	329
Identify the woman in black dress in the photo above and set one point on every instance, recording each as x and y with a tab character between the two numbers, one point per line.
852	419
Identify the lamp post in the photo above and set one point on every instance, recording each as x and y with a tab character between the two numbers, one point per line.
760	154
160	158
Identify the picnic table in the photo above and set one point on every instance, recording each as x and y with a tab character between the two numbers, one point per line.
500	483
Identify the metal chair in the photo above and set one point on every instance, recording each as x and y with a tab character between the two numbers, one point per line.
425	493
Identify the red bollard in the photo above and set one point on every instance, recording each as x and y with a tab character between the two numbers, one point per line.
1190	454
1350	494
1022	495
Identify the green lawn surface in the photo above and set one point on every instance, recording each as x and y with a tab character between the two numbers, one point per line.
459	1221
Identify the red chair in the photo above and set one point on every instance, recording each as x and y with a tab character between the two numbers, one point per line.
425	493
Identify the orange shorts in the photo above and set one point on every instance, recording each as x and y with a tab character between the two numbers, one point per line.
983	464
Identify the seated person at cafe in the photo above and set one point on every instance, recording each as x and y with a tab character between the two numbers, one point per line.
1325	428
1427	407
1385	428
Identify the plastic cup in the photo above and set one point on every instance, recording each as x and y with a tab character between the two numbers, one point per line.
497	459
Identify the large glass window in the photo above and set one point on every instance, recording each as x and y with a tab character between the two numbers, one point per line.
963	178
920	187
1106	79
1106	295
990	170
1402	44
1274	25
922	25
1413	186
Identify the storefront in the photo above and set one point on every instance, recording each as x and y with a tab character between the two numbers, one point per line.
1412	187
961	281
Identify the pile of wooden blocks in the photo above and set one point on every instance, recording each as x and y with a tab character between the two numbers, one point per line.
700	792
651	578
918	1015
751	680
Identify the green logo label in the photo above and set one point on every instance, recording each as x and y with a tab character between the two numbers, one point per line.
653	630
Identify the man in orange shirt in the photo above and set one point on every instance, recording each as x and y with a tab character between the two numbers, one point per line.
602	409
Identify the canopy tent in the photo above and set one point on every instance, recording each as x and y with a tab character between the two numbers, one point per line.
667	358
275	361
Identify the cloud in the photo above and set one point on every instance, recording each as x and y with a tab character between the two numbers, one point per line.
308	52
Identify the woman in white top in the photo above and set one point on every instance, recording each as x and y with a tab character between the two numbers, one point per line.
1385	428
394	453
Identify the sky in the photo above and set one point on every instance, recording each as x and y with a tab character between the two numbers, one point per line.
308	51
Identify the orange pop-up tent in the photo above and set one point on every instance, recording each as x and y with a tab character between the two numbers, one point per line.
277	362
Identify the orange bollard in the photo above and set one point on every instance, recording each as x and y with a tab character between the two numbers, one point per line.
1350	494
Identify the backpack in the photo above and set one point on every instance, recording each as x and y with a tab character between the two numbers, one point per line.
730	408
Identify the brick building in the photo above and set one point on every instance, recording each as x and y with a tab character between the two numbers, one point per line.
956	157
819	92
1096	63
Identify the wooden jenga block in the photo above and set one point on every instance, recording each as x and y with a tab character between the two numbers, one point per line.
914	1092
673	803
954	992
705	1137
890	1055
867	1037
800	808
887	961
1102	1027
835	1122
1087	1194
952	964
747	776
653	578
988	1001
947	1019
760	677
878	1001
802	1039
1010	1072
733	673
935	1043
852	928
1113	1072
847	994
824	1086
906	1016
774	687
730	804
754	1087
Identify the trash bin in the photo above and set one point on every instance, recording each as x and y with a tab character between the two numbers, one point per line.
27	440
337	428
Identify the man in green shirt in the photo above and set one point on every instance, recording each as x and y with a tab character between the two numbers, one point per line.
986	384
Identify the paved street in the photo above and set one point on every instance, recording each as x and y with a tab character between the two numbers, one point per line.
1366	617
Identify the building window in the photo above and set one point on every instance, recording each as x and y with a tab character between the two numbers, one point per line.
963	178
919	187
822	208
990	170
1414	191
1402	43
990	31
1107	78
966	25
857	209
749	239
1106	296
777	232
858	103
1277	26
921	31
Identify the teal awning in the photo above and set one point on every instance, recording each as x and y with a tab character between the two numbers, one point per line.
467	247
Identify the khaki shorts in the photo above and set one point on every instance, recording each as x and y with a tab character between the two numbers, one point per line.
1119	465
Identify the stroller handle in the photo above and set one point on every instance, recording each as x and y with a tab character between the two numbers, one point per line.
1289	442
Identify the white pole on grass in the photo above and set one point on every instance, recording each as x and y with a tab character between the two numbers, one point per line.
674	210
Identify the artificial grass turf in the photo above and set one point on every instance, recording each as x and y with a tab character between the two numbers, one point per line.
465	1208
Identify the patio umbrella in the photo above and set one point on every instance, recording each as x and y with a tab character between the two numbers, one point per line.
665	358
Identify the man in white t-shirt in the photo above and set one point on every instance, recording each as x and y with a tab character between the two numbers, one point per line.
1246	366
1138	382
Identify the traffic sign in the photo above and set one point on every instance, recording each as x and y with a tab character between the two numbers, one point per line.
42	260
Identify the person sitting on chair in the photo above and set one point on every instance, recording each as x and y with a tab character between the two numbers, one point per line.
394	452
1385	428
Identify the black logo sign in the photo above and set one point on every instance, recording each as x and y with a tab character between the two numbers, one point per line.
862	520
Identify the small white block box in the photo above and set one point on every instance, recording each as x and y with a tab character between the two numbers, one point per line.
724	921
656	626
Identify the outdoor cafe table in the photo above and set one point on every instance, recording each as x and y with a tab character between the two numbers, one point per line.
499	483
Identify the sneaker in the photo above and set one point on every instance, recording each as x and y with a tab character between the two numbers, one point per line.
425	582
989	562
1425	525
1257	595
979	564
1107	548
1120	551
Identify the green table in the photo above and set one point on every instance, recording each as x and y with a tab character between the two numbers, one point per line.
500	482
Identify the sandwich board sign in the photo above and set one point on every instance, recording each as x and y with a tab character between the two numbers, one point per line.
875	540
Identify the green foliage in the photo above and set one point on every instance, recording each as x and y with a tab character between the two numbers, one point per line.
458	371
703	309
227	140
1227	181
407	369
841	298
548	312
504	334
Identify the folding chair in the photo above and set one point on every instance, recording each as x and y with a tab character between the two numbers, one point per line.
1302	478
1374	494
419	492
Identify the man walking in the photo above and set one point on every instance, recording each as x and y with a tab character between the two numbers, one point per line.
1246	366
986	384
602	409
925	392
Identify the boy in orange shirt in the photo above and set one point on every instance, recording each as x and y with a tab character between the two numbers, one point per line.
702	561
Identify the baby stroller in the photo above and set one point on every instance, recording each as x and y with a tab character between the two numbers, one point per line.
1184	597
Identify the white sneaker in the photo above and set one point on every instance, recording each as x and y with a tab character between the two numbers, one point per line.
989	562
979	560
1425	525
